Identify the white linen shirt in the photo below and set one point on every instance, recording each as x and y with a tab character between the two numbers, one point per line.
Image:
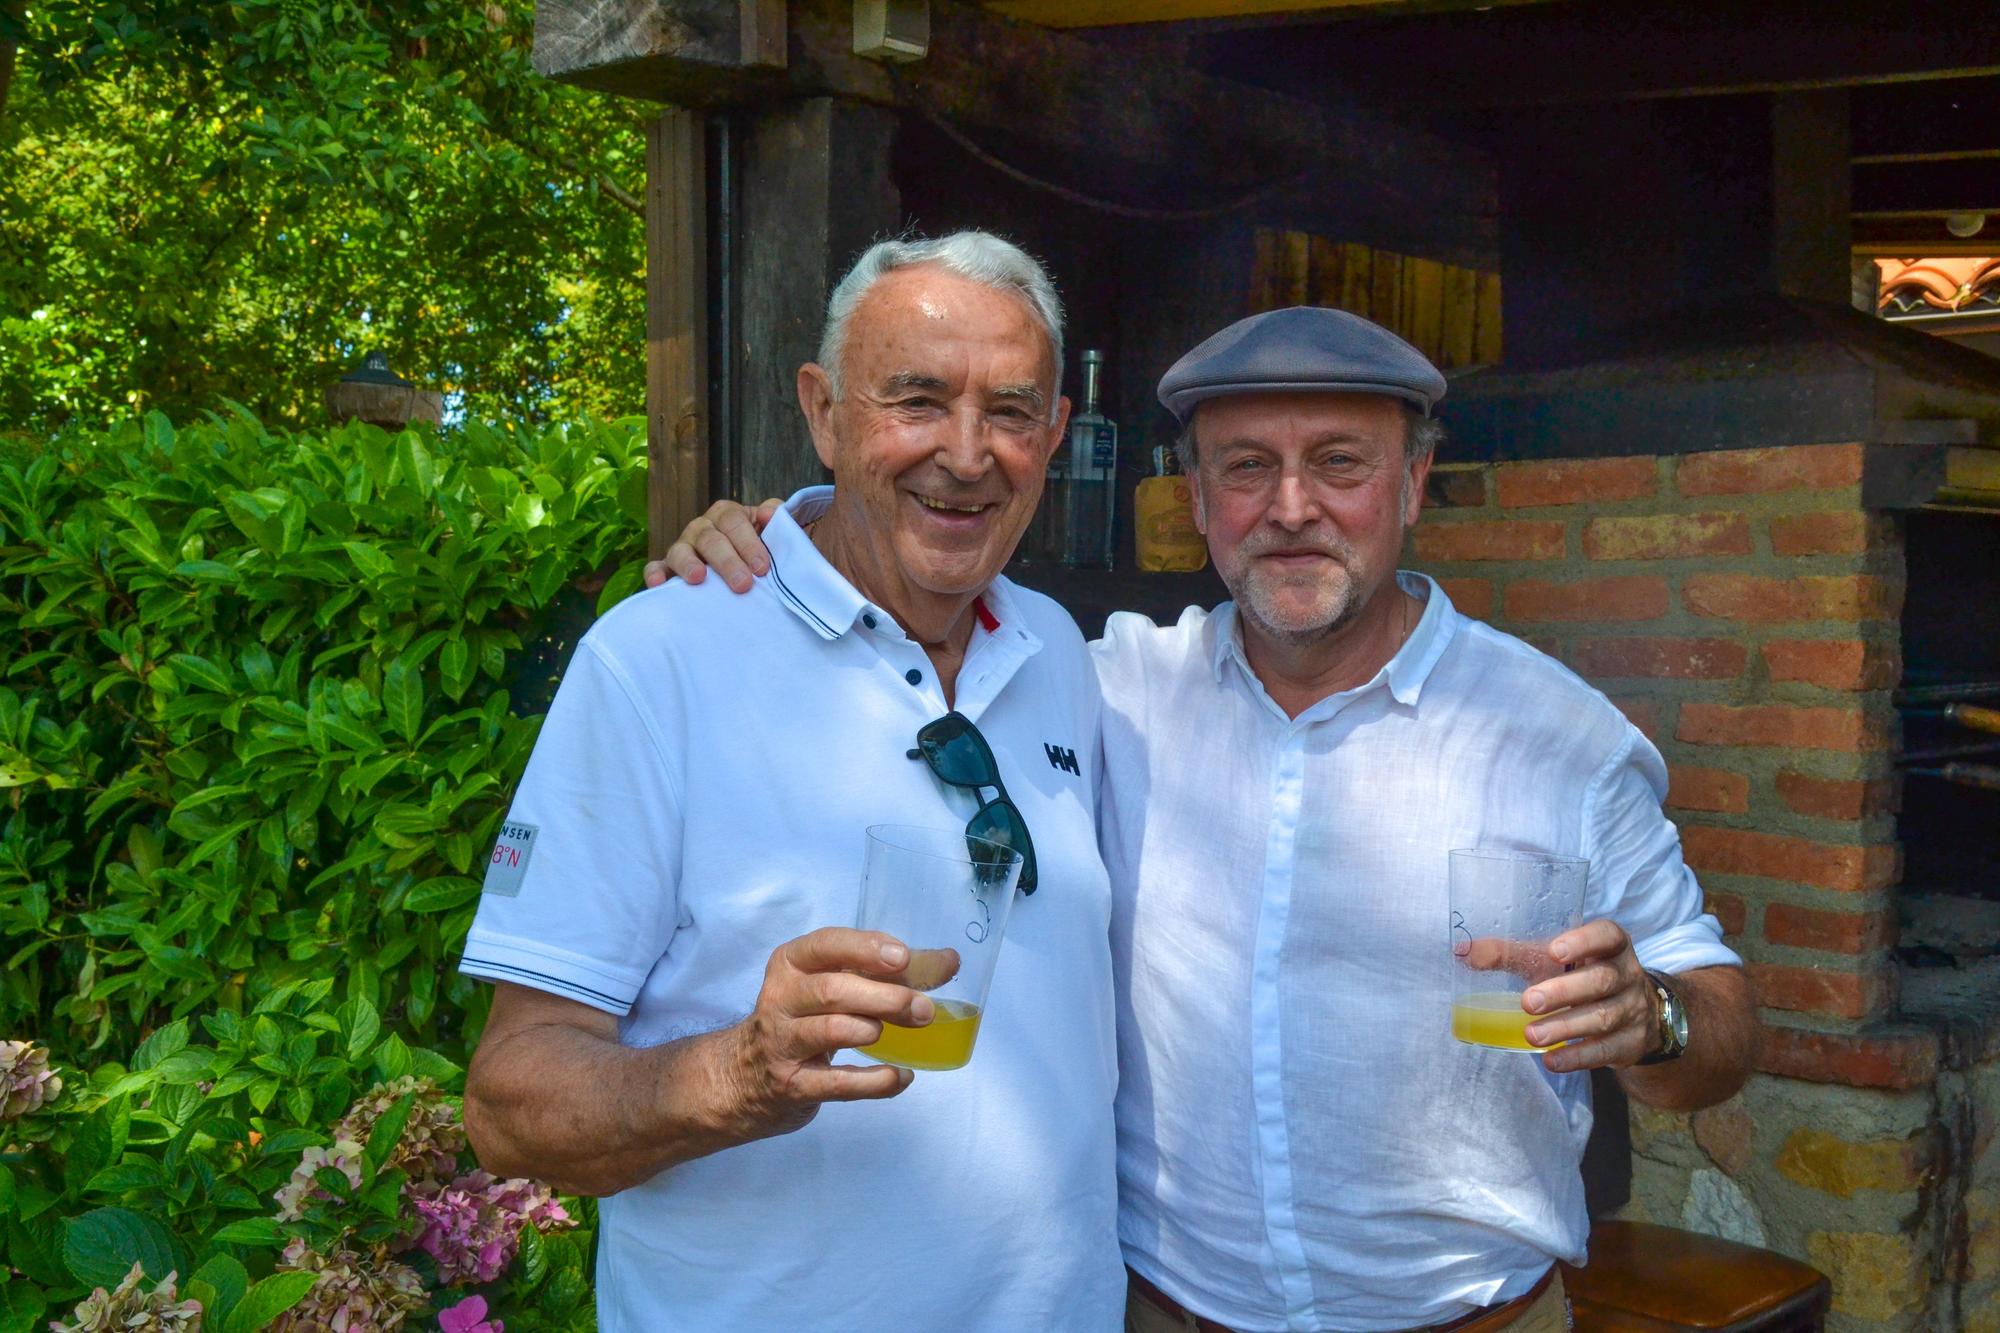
1301	1142
697	797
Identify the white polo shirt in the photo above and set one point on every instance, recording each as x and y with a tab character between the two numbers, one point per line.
1302	1144
697	797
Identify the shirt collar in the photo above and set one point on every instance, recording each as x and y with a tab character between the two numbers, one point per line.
817	593
1403	675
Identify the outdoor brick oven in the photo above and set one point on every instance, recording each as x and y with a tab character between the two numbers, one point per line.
1752	531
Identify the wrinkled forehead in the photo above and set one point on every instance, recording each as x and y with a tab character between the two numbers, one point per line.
925	312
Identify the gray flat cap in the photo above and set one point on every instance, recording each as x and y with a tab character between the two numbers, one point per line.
1303	348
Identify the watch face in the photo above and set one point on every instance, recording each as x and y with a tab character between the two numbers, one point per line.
1677	1022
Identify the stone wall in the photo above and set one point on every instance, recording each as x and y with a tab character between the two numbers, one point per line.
1742	608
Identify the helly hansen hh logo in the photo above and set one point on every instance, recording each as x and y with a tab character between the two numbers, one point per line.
1062	758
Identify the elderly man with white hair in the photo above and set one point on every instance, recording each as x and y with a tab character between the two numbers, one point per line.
665	914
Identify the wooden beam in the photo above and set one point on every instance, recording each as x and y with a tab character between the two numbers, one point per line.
1099	13
1619	49
1118	121
676	325
1811	189
691	52
1927	187
1103	13
1125	121
1942	116
816	191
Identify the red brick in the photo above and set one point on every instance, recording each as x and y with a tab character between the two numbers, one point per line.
1791	726
1470	597
1490	539
1811	467
1728	909
1643	714
1838	532
1837	664
1629	597
1896	1060
1816	990
1845	597
1841	867
1836	798
1675	659
1666	536
1462	487
1582	481
1834	932
1716	789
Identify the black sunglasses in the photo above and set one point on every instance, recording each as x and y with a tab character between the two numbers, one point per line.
960	756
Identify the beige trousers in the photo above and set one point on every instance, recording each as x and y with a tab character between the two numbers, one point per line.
1549	1314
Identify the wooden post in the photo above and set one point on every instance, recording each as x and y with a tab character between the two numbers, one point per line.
676	326
816	191
1811	195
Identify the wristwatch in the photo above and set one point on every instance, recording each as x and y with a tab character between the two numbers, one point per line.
1673	1022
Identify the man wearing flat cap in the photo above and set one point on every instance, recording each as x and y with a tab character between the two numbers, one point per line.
1301	1143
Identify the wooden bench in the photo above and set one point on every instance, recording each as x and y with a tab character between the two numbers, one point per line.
1652	1279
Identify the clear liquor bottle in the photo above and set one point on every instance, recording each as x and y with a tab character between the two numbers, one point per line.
1093	475
1047	538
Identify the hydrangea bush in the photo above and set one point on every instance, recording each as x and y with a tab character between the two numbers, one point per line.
180	1193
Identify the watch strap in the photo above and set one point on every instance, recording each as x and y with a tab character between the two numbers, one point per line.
1671	1021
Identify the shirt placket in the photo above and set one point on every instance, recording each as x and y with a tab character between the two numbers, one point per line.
1288	775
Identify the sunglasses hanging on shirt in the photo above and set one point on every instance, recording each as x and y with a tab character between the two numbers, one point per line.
960	757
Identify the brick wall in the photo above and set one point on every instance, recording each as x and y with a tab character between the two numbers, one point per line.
1741	608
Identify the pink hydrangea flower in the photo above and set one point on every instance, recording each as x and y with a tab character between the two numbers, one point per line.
469	1316
472	1226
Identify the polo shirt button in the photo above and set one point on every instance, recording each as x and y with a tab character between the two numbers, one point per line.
869	621
914	676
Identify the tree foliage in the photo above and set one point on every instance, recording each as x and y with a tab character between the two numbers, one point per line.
209	200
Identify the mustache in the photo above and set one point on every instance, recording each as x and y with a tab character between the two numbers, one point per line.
1316	544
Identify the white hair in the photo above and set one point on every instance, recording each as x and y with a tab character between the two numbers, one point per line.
977	255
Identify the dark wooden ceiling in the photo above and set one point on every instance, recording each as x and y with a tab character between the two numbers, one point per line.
1923	78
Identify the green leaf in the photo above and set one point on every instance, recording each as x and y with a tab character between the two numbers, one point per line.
441	893
392	1059
163	1043
22	1308
414	462
368	558
403	698
269	1299
98	1142
455	666
259	1232
361	1023
101	1246
202	672
228	1279
207	571
387	1130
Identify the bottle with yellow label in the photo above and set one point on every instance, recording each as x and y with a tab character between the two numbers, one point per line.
1163	530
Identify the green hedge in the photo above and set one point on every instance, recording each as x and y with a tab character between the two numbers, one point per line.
264	699
255	715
